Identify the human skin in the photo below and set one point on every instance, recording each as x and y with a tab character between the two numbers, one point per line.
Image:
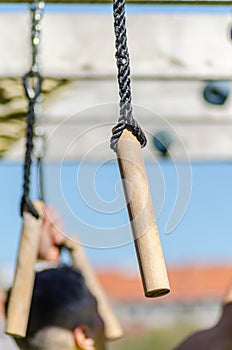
52	235
2	303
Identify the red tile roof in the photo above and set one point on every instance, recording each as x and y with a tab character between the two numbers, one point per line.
191	283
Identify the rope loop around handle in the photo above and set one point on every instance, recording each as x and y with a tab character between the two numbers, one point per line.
27	206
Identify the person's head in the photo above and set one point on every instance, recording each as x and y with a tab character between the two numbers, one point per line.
63	314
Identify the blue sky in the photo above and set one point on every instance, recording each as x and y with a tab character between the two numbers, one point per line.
202	236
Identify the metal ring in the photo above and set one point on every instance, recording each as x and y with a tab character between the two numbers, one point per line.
32	92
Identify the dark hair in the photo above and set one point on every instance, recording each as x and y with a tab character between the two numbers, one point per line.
60	299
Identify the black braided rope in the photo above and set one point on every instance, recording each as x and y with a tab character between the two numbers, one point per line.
126	120
32	95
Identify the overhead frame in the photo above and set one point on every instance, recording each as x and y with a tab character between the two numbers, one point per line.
143	77
139	2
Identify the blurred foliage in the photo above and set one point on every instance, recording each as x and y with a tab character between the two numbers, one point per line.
159	339
13	107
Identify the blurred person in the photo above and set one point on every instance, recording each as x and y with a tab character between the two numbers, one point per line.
63	314
219	337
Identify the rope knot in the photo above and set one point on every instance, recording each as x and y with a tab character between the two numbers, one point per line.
27	206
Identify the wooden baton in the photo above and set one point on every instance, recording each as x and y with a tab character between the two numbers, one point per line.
113	329
22	289
142	218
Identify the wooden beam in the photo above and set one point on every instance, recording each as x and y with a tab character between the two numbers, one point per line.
137	77
140	2
145	77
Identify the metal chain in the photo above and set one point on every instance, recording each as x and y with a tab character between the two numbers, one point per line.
32	82
39	155
126	120
37	10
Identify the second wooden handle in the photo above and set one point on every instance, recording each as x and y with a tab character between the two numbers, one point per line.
113	329
21	293
143	223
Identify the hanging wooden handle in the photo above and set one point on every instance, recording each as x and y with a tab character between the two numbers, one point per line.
22	289
141	213
113	329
